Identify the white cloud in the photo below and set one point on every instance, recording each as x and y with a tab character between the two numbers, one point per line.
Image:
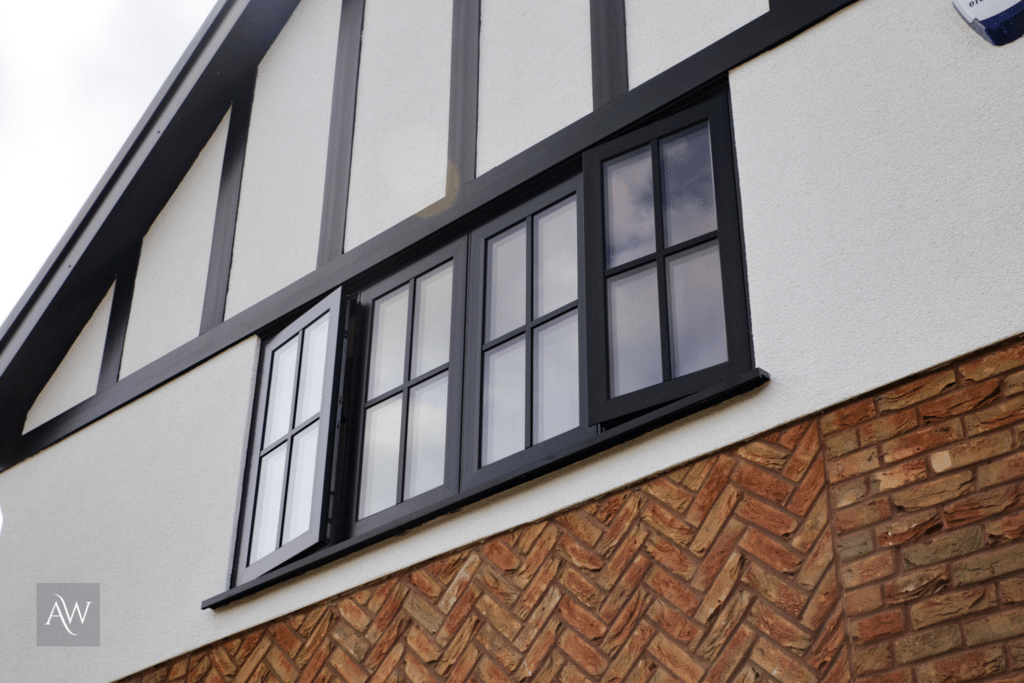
75	78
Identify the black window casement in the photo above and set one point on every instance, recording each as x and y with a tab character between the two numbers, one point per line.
284	513
665	276
606	304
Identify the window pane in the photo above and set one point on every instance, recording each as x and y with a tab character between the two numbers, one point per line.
381	438
282	389
696	310
688	185
433	326
555	257
634	336
629	207
556	378
504	409
387	349
299	503
425	444
268	504
506	282
311	380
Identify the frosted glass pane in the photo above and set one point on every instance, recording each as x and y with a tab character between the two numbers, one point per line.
696	310
311	379
382	436
506	282
387	350
634	336
302	470
555	257
268	504
433	325
282	389
629	207
556	377
504	408
425	444
688	186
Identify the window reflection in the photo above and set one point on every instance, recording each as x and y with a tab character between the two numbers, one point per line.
629	207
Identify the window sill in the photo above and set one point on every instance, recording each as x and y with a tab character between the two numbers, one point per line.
736	385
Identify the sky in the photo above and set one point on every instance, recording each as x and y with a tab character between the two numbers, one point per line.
75	78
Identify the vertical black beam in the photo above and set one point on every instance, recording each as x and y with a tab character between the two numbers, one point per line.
117	326
343	123
227	207
462	110
608	50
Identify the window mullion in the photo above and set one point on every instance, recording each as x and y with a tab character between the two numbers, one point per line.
528	333
659	241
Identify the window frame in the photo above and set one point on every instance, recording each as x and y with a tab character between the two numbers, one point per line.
318	531
523	462
602	407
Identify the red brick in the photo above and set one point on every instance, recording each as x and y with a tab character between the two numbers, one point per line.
995	627
788	437
964	666
838	445
974	450
862	515
915	585
763	484
959	401
1013	384
993	363
676	659
933	492
809	488
665	490
861	600
872	658
915	391
808	447
927	644
903	474
770	551
771	518
775	590
868	569
908	527
947	606
974	508
1008	528
901	676
877	626
783	666
709	492
864	460
944	547
818	561
922	440
848	416
1007	412
849	492
764	454
1000	471
887	426
856	545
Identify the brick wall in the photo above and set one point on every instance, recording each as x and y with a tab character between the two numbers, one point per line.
877	542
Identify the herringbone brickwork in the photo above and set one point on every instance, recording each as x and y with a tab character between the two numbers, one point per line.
878	542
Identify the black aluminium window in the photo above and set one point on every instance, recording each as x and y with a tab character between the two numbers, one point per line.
616	297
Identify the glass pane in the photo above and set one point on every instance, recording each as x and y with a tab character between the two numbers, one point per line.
629	207
556	377
688	185
506	282
424	447
311	379
387	349
433	326
299	503
634	333
381	438
504	409
282	389
555	257
696	310
268	504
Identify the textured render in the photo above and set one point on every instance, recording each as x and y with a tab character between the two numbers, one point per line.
662	33
136	503
170	284
76	377
400	148
279	211
879	541
523	97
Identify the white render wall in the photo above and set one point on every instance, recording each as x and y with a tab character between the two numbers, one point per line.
877	176
170	284
535	74
76	377
400	148
277	233
662	33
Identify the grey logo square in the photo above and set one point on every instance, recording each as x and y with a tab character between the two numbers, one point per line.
67	614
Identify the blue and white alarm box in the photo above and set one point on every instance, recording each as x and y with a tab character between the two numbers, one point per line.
997	21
